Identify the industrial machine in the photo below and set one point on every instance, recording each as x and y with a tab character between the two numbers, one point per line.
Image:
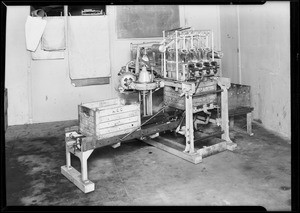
184	68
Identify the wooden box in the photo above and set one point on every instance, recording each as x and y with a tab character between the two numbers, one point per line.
172	98
108	118
238	96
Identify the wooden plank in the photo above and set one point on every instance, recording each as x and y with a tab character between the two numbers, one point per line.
103	119
122	109
178	102
90	81
116	128
103	103
118	122
75	177
115	133
249	123
194	158
210	150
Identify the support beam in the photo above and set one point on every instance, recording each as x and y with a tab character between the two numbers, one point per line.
249	123
194	158
224	113
79	179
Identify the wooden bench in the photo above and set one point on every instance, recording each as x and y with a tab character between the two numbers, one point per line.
239	103
242	111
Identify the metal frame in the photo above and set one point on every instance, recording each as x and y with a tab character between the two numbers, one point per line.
190	153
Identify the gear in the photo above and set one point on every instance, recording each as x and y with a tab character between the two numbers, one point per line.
126	79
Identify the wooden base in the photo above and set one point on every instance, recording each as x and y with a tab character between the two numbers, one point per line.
176	148
74	176
194	158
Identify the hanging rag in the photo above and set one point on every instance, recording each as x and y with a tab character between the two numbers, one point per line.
41	54
54	34
88	47
34	28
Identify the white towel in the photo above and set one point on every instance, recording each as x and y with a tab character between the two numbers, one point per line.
34	28
88	45
41	54
54	34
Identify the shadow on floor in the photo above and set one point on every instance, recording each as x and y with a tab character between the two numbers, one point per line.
258	172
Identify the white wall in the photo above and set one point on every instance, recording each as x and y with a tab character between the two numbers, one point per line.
16	66
265	62
41	91
262	35
229	40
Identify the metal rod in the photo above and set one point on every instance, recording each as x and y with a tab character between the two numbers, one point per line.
212	46
164	59
176	52
137	66
144	102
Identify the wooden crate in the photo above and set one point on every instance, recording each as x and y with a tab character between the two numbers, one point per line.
108	118
172	98
238	96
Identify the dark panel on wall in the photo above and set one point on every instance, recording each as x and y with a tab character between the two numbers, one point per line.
138	21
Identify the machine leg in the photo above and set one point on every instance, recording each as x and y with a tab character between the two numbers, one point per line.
149	102
83	156
79	179
224	114
225	119
249	123
231	122
144	103
68	158
189	127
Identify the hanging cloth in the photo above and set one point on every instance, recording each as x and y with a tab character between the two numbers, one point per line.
34	28
54	35
41	54
88	47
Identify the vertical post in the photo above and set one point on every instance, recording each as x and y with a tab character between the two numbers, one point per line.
144	102
183	73
164	59
68	157
84	175
176	52
149	102
231	121
137	65
140	99
212	46
224	113
187	122
67	40
83	160
191	126
249	123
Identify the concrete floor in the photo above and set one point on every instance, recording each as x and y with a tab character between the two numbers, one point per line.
257	173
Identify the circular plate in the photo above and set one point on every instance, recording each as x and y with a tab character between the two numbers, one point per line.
145	86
